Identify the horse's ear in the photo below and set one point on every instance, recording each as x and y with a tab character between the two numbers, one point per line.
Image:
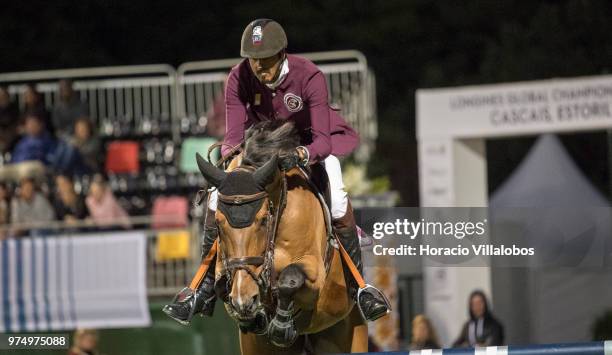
211	173
265	174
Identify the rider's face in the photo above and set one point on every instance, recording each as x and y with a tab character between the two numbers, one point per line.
266	69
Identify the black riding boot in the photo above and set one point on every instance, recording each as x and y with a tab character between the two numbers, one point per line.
187	302
370	301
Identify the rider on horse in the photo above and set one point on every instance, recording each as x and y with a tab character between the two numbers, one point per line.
271	84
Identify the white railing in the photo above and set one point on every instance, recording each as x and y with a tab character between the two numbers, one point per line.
149	99
138	97
351	87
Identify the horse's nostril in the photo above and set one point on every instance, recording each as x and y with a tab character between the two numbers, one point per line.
231	301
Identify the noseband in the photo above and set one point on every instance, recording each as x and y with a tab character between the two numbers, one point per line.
264	280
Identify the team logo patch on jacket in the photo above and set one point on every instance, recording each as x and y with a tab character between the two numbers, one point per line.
293	102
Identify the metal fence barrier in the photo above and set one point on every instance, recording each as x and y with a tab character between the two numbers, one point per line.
122	100
352	88
153	99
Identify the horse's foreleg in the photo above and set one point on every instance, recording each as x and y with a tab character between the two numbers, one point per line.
282	331
252	344
350	335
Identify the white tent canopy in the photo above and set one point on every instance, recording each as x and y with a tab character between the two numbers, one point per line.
561	214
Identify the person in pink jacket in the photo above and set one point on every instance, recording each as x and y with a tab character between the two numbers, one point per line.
270	84
104	210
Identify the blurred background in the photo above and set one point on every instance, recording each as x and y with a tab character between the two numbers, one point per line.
114	158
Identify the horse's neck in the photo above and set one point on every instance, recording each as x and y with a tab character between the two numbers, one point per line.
293	179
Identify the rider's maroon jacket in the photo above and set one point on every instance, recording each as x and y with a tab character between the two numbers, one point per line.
301	97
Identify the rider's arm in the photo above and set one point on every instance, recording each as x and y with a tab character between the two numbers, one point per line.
316	97
235	114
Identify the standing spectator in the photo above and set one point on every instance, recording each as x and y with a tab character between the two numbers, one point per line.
34	104
103	207
9	121
67	110
85	342
36	144
5	212
69	206
423	334
30	206
87	143
482	329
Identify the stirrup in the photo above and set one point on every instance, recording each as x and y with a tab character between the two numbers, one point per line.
374	291
183	295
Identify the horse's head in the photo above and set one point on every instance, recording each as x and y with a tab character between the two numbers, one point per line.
244	221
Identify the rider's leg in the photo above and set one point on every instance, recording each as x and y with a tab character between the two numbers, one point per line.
372	304
202	300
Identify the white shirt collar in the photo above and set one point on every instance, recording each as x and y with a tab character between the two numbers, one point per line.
284	70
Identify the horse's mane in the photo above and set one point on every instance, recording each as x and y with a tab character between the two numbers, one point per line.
268	138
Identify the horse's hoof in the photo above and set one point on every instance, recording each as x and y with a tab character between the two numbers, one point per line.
282	334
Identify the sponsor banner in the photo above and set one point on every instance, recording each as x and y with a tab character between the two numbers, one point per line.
63	283
517	108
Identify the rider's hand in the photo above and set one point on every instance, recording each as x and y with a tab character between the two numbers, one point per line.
295	158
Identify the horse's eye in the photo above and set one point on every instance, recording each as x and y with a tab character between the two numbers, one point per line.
263	221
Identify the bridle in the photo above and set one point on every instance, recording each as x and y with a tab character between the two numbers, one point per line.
264	280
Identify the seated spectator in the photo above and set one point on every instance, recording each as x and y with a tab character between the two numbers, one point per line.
87	143
103	207
9	121
482	329
85	342
69	206
67	110
5	212
30	206
31	152
423	334
34	104
36	143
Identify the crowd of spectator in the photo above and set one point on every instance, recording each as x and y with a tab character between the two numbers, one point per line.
40	152
63	141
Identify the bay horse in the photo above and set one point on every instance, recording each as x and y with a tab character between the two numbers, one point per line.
280	278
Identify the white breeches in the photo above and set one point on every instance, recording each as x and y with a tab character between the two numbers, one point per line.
339	197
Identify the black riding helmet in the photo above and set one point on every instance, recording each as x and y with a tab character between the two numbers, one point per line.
262	38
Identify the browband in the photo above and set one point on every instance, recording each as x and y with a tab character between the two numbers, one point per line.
240	199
